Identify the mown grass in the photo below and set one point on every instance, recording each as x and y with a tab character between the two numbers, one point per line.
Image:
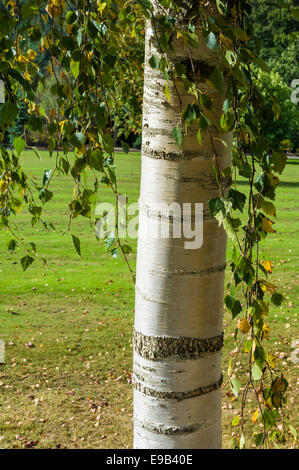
66	382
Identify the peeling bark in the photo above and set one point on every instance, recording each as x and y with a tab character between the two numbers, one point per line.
163	347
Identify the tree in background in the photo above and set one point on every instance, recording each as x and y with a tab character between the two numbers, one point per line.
277	31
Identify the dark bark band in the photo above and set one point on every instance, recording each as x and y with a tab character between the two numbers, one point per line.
158	348
178	396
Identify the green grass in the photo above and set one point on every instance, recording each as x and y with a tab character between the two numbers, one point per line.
71	387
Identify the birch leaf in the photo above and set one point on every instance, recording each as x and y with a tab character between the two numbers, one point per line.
177	135
267	225
243	325
166	92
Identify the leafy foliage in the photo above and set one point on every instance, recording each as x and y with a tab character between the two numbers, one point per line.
276	28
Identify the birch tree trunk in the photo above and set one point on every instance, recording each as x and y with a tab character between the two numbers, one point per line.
179	292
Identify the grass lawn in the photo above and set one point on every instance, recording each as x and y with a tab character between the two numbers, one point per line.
66	382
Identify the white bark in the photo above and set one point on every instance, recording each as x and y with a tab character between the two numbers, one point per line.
179	292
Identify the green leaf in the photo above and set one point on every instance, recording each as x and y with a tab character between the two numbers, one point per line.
277	298
75	69
235	386
233	305
206	101
26	261
262	64
71	17
35	123
215	205
127	249
259	356
240	34
146	4
269	418
19	144
240	76
295	12
33	246
192	40
180	69
8	112
267	206
77	244
293	431
203	122
238	199
217	80
248	345
227	121
191	113
278	161
256	372
259	438
276	109
177	135
11	245
154	62
245	270
199	137
77	139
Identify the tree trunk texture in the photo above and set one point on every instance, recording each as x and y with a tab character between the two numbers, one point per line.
179	292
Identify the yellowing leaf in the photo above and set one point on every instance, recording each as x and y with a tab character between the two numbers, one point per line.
31	54
243	325
61	125
179	35
267	286
101	7
269	403
69	28
266	330
255	416
279	386
55	8
276	400
267	225
236	420
23	59
268	266
264	306
271	360
67	90
27	76
3	186
166	92
46	42
52	113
